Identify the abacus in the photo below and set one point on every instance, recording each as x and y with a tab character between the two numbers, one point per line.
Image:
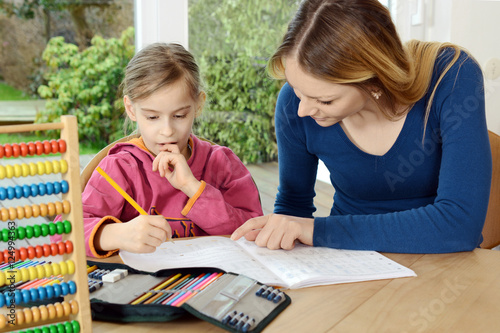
62	274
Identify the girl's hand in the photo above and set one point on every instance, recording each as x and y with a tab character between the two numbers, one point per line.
172	165
142	234
276	231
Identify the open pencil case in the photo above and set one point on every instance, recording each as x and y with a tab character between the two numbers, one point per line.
232	301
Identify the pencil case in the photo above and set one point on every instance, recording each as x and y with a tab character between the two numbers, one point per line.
232	301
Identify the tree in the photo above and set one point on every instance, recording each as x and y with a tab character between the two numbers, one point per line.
27	9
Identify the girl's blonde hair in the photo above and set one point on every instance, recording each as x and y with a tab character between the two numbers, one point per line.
159	65
355	42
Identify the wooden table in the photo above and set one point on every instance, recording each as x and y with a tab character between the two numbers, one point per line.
457	292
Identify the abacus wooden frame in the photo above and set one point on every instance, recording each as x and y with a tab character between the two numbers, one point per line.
69	133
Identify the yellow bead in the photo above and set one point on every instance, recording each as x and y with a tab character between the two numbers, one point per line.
36	314
3	321
52	311
66	308
25	274
71	266
59	207
36	210
56	166
59	310
33	169
40	271
66	206
64	166
56	269
51	208
48	167
44	312
33	273
3	172
19	317
48	270
18	170
26	169
9	171
28	212
17	276
63	267
40	166
2	278
43	209
74	306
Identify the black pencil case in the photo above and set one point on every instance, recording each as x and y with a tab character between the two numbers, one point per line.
233	301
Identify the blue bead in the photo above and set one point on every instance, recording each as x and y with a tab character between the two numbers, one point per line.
26	295
50	291
42	293
57	290
34	190
10	192
19	191
3	193
18	297
64	186
41	188
49	187
34	294
57	187
72	287
26	191
64	288
2	301
7	298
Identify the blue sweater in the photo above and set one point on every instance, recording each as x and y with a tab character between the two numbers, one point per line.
428	197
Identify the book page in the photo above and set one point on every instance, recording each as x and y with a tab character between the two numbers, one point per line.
307	266
213	251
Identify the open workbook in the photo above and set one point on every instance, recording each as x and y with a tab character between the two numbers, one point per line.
304	266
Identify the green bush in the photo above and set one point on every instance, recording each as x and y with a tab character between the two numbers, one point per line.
86	84
238	85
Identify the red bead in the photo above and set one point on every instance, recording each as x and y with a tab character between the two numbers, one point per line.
47	147
24	149
39	147
23	253
16	150
54	249
31	252
31	148
16	255
55	146
6	256
7	150
69	246
38	251
62	146
1	151
46	250
62	247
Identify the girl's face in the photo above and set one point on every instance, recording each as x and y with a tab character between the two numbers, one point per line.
327	103
166	117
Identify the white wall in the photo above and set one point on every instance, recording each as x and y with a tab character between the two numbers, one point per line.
160	21
469	23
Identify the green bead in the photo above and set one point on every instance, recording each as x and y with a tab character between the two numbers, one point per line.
21	232
52	228
5	235
76	326
60	328
53	328
59	228
45	229
29	231
68	327
37	231
45	329
67	226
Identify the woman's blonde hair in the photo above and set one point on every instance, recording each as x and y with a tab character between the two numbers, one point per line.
355	42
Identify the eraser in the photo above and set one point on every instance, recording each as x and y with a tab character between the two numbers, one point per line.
115	275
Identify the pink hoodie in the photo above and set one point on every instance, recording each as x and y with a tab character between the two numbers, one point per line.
226	199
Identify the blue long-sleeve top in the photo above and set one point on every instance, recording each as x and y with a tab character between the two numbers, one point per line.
427	194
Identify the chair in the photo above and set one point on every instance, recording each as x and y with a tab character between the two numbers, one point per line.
90	167
491	229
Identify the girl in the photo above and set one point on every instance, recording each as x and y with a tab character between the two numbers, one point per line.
401	129
189	186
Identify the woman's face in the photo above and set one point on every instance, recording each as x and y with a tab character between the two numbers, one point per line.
327	103
166	117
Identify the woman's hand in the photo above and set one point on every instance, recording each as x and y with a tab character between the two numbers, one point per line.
276	231
172	165
142	234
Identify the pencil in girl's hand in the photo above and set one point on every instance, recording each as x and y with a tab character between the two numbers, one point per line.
123	193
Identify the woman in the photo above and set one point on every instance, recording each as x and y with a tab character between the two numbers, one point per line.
401	129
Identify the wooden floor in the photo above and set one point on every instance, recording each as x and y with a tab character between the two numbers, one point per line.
265	176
